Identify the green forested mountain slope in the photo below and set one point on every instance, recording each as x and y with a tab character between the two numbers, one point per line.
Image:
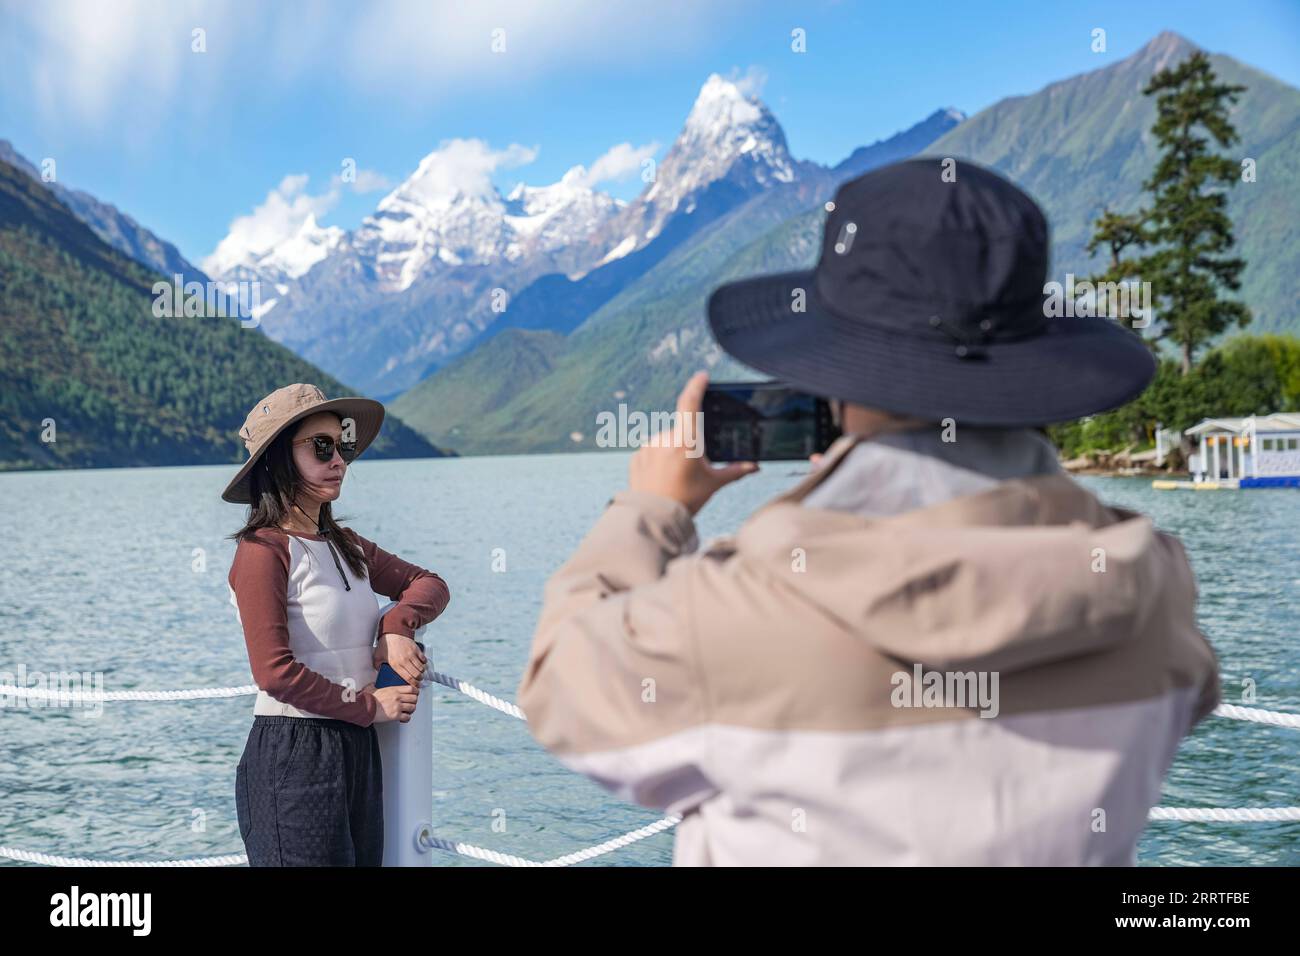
80	345
1085	143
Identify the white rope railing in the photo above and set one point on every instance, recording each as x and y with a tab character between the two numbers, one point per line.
1157	814
436	843
1256	715
1275	717
1225	814
581	856
65	695
46	859
482	696
69	696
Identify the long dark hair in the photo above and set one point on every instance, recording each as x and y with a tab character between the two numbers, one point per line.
274	482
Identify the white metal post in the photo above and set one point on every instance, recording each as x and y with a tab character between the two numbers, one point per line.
1254	447
406	750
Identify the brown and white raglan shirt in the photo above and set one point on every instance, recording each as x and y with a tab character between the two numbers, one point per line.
310	624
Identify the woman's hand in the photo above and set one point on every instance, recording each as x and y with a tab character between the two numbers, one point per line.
393	703
403	655
663	466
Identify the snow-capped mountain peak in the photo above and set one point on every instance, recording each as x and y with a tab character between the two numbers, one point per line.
277	261
728	134
450	212
720	104
566	214
565	211
525	200
308	246
725	124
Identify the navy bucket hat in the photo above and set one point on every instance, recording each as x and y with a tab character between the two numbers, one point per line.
929	301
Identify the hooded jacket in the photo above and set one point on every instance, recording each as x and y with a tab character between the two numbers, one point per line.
1001	677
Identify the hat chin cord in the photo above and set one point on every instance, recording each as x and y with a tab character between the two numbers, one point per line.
320	525
324	532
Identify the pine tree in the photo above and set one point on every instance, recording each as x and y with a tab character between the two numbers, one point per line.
1117	232
1188	221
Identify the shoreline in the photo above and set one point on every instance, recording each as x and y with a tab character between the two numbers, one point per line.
1126	463
1135	471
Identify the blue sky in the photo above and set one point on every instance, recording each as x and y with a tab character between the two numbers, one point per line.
187	141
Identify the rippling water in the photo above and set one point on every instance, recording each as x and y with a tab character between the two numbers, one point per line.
101	577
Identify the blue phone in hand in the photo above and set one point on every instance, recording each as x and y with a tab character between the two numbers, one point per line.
388	677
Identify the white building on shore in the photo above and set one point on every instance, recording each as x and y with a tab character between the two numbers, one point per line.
1259	451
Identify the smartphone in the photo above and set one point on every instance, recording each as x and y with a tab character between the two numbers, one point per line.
387	677
764	421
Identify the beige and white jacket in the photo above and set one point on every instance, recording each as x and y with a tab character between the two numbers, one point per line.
795	691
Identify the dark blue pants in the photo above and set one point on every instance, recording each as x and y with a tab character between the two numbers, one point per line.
309	791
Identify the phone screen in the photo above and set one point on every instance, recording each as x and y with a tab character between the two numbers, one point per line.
764	421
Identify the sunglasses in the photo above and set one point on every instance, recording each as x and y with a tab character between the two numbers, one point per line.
325	446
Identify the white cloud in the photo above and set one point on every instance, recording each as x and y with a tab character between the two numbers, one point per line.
98	60
751	81
87	57
281	215
369	181
619	162
396	44
365	181
461	166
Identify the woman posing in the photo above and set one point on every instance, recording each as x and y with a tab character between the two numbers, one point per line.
309	786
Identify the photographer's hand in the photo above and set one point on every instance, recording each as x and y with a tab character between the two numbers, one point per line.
673	464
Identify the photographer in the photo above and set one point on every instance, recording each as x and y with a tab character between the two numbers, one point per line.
789	689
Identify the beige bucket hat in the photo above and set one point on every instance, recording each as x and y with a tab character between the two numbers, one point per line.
277	411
